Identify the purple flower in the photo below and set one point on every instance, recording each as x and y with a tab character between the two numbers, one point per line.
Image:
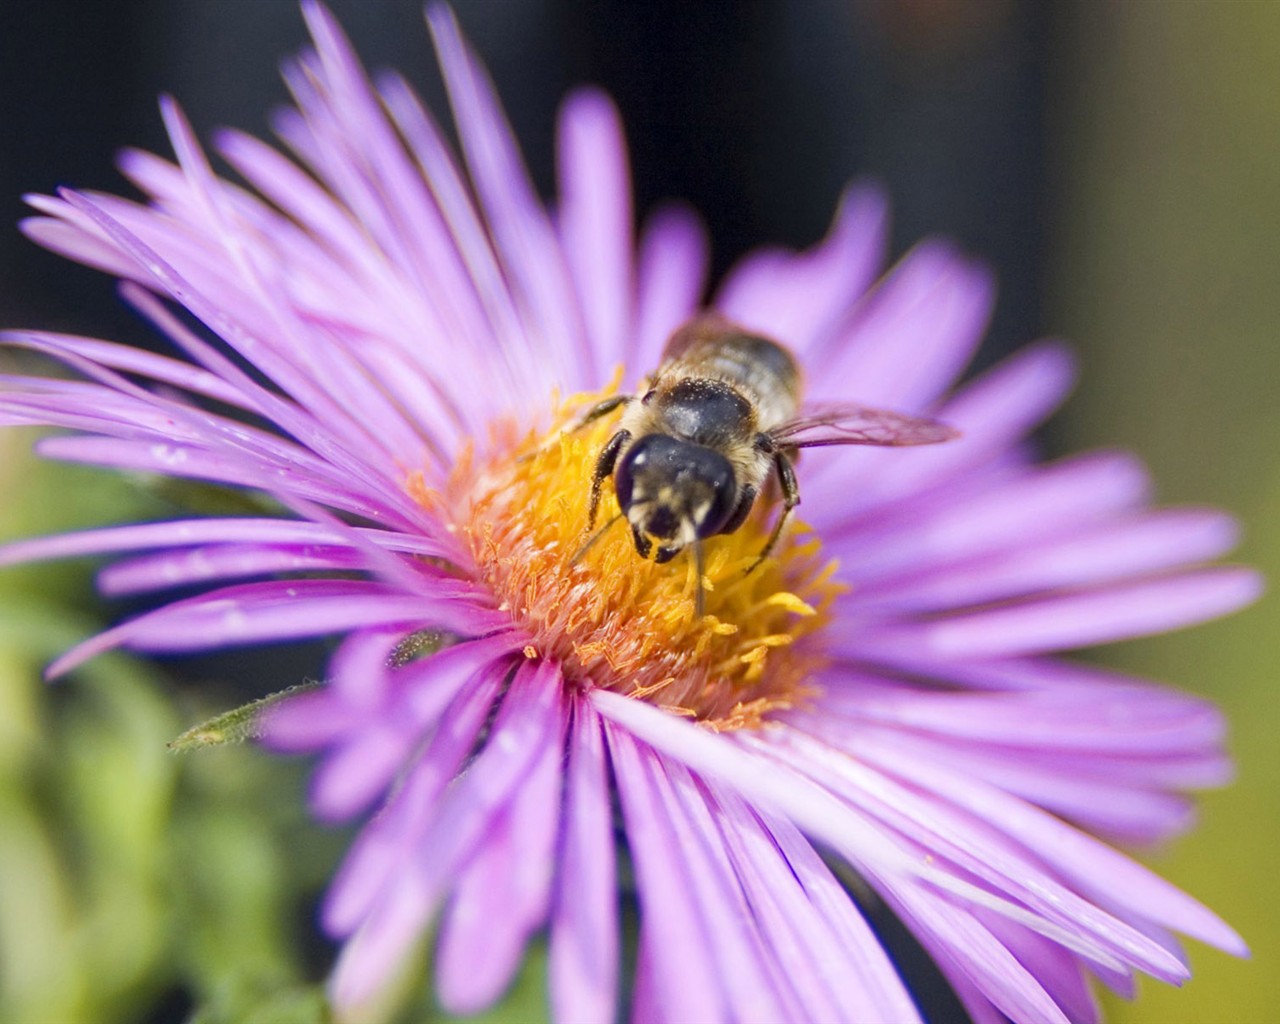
390	347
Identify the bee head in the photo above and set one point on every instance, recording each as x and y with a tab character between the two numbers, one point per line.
675	491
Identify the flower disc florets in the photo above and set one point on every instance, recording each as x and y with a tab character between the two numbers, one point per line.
614	620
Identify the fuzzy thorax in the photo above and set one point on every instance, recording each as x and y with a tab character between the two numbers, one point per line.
614	620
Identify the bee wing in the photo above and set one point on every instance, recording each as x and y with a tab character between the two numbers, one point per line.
848	423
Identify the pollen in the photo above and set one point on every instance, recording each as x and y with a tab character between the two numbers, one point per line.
615	620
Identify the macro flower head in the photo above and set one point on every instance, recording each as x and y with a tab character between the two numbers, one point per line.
398	349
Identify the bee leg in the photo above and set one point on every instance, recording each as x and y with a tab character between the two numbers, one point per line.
604	466
601	409
790	499
643	544
590	416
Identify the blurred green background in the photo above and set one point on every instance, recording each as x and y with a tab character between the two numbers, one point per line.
1167	275
1137	213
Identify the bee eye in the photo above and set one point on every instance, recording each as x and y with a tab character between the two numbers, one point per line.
623	480
717	477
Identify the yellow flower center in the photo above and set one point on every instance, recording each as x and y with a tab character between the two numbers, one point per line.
615	620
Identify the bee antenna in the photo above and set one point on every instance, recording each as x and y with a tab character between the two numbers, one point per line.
591	541
699	597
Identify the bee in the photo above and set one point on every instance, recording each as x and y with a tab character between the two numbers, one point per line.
715	422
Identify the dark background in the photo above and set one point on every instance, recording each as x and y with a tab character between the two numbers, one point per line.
757	113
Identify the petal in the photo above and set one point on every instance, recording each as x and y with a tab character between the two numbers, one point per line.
767	785
529	716
522	233
911	336
676	939
377	861
136	361
274	611
1090	865
957	938
976	852
367	763
823	943
797	298
220	562
1036	505
1079	619
670	280
1114	720
595	222
993	413
502	894
478	307
583	968
1115	551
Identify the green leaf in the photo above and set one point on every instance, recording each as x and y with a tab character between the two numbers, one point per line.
235	726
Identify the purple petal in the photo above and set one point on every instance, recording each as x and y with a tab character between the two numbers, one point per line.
65	238
522	233
351	778
757	986
1115	719
675	940
413	285
286	415
797	298
195	461
992	413
1082	790
275	611
911	337
954	936
872	986
1091	866
764	783
1058	971
976	851
822	943
486	313
147	364
358	673
503	894
595	222
367	763
280	347
671	276
1013	514
583	954
1106	554
378	859
1078	619
155	270
220	562
287	186
170	533
394	202
530	716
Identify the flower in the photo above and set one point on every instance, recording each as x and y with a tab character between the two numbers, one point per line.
394	351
